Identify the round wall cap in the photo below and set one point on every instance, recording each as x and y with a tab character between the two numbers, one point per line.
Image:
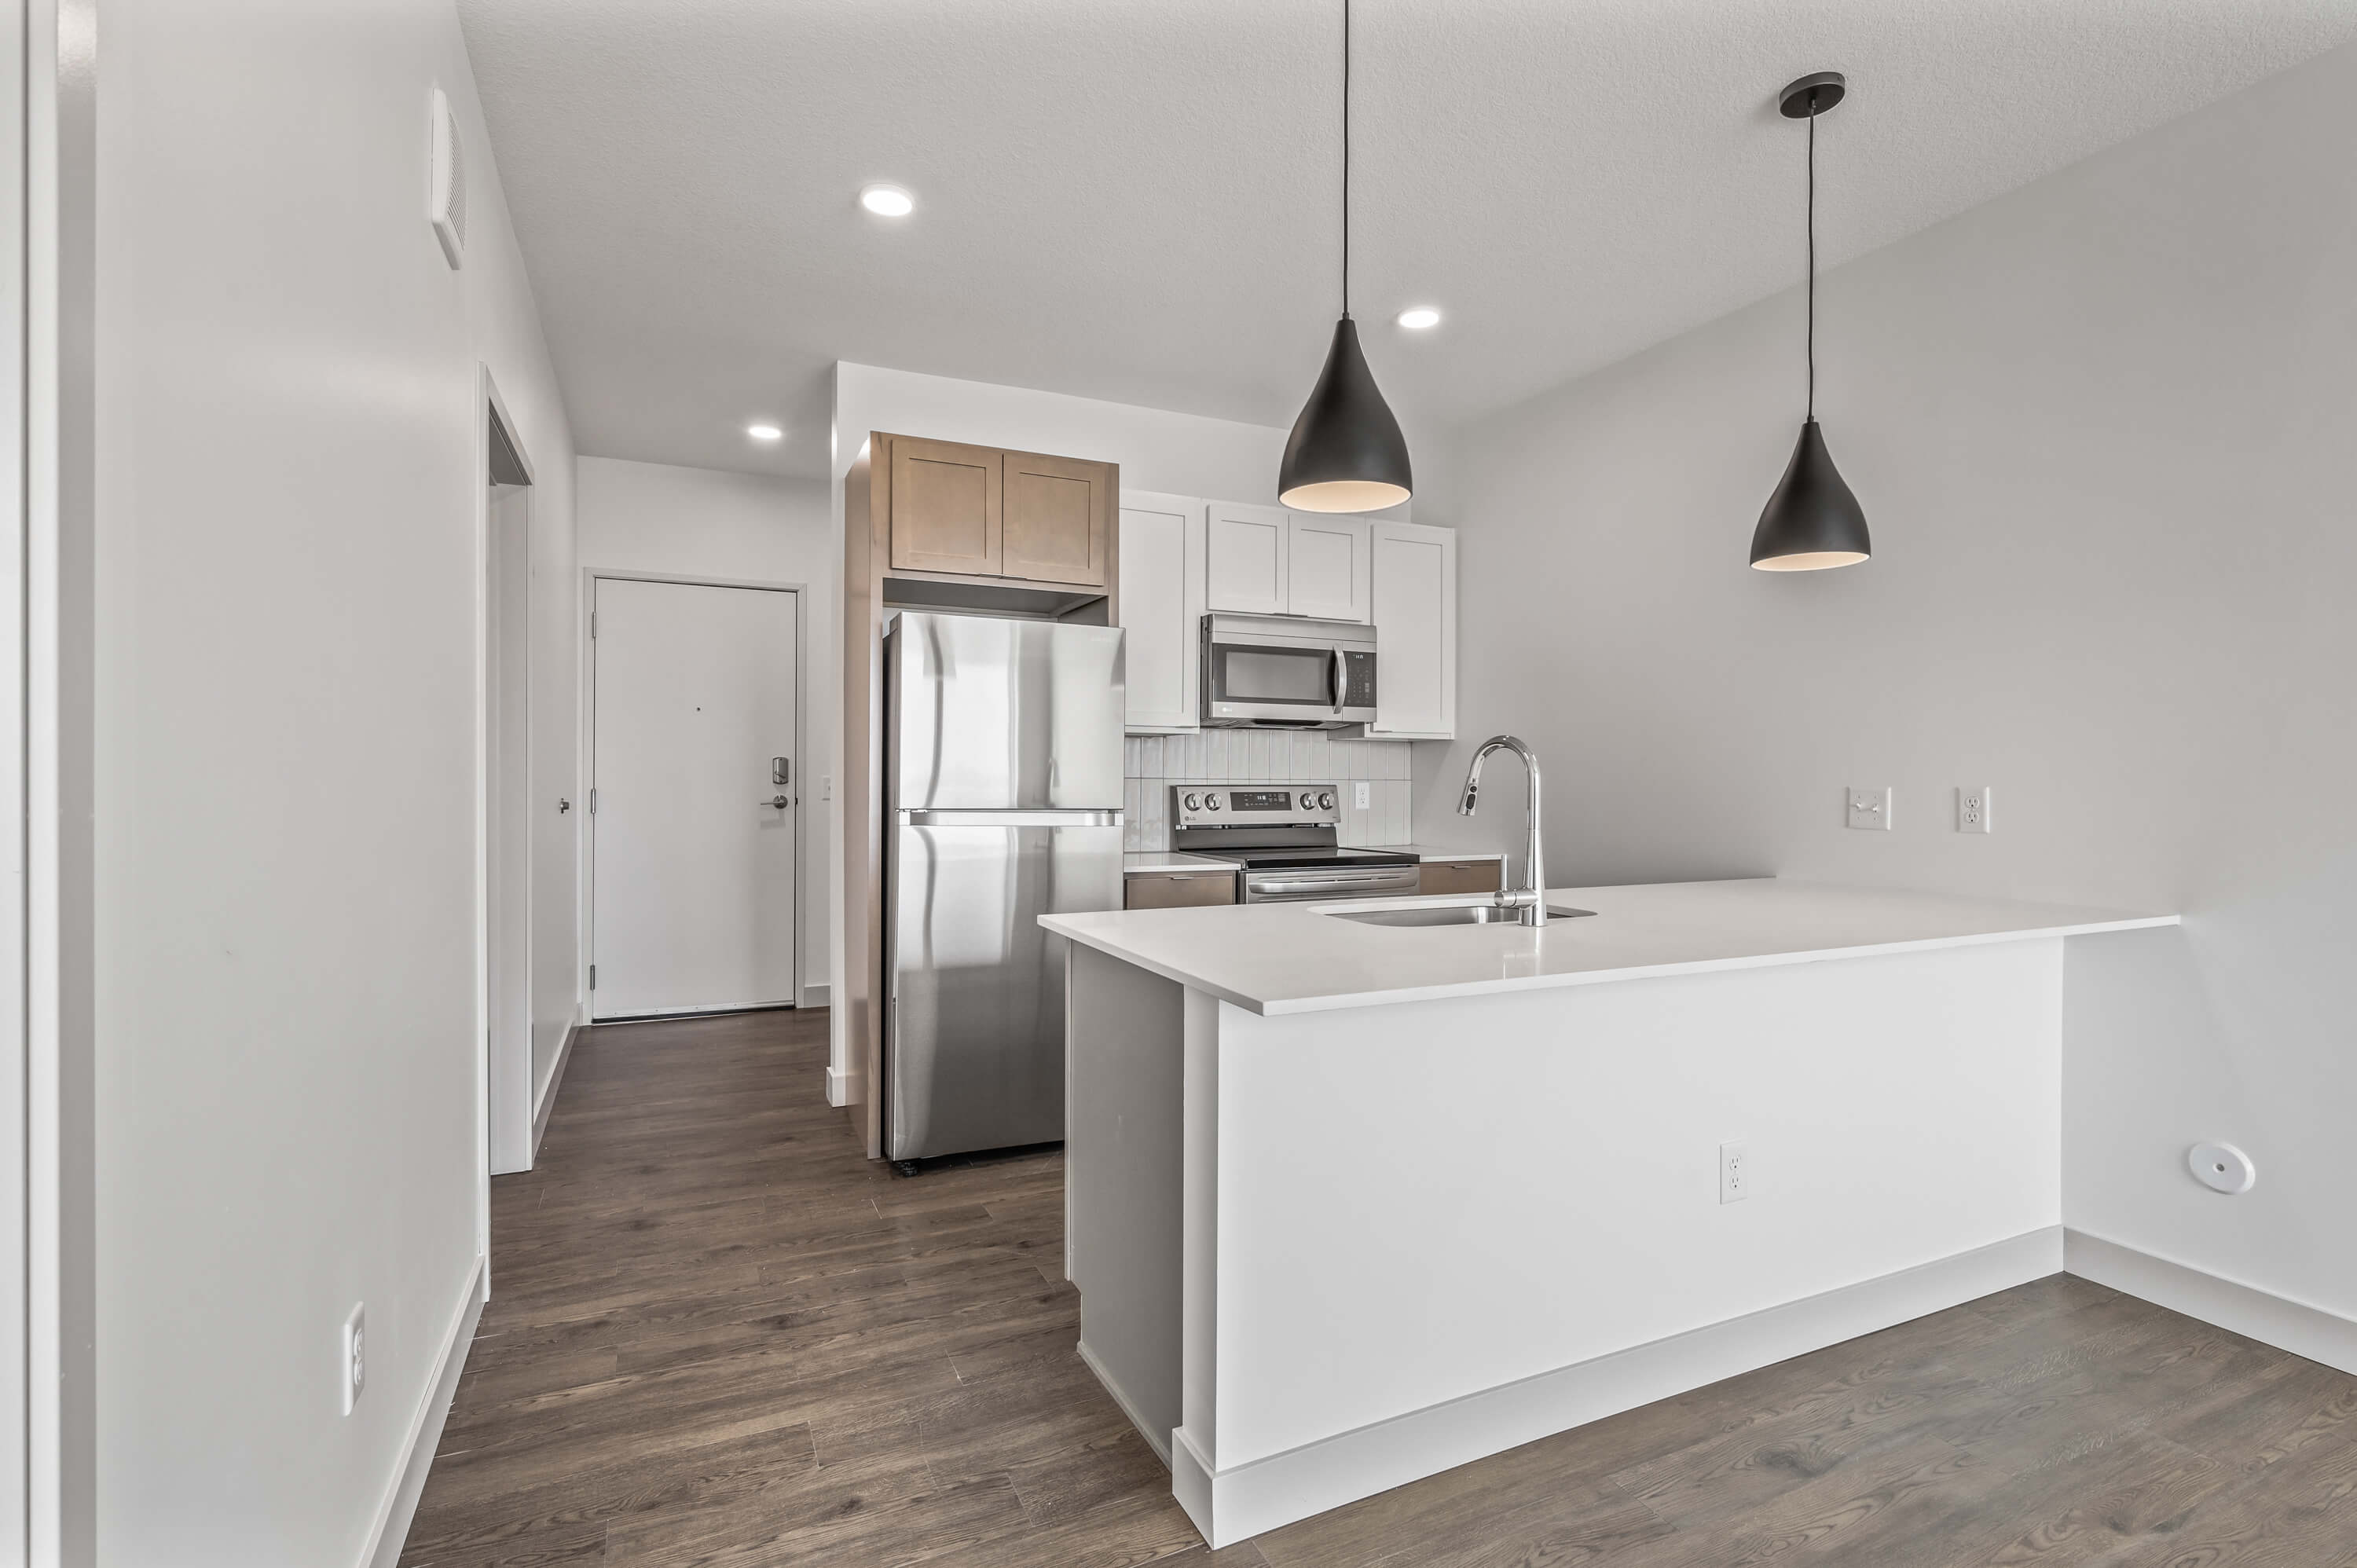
2222	1167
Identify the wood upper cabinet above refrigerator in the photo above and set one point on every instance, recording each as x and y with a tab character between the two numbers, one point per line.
1415	631
980	511
946	507
1264	560
1162	609
1054	518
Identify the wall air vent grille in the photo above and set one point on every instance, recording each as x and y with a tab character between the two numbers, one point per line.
445	203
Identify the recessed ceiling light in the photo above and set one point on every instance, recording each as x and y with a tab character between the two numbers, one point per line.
763	431
1415	318
888	201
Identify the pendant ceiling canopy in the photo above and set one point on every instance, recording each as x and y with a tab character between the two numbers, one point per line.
1812	521
1346	451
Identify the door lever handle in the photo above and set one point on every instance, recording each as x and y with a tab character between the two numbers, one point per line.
778	801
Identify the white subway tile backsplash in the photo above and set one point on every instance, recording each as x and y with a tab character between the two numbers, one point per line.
1155	833
1250	756
1392	793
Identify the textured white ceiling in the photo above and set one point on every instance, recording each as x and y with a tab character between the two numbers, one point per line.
1138	201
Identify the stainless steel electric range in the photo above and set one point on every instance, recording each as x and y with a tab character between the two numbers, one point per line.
1284	837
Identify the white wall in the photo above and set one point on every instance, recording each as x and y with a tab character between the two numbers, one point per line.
288	1048
703	523
2100	427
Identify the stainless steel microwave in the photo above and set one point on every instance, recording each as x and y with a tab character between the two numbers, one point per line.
1286	672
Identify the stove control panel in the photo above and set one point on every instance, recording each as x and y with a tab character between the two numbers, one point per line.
1256	805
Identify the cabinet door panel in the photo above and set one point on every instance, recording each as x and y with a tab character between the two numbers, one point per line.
1178	889
1415	631
1457	876
1328	575
946	507
1052	519
1162	608
1247	559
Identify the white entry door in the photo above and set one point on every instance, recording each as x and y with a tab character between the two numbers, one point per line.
697	787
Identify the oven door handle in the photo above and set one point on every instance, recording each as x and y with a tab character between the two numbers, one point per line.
1389	881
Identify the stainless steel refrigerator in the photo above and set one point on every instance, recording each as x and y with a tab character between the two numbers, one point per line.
1003	794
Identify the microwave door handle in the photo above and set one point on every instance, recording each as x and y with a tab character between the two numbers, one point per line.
1334	681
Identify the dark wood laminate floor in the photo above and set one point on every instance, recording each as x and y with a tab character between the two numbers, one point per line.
721	1337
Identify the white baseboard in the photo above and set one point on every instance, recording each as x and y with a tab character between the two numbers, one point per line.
384	1542
2298	1327
1229	1506
548	1090
1161	1445
813	996
841	1087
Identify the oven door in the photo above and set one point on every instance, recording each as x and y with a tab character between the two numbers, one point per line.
1252	677
1305	884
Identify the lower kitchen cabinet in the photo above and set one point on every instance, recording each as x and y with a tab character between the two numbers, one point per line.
1459	877
1177	889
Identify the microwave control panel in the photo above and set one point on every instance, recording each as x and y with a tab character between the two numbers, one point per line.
1358	680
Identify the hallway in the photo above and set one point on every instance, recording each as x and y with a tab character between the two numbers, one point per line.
721	1337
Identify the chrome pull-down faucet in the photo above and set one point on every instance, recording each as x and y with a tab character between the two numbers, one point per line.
1531	899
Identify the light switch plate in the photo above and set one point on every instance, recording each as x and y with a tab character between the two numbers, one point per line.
1870	806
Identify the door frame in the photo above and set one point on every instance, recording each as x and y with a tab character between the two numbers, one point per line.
588	609
490	405
518	901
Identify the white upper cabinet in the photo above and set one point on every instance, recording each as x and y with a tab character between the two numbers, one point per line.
1162	606
1266	560
1415	631
1248	556
1329	572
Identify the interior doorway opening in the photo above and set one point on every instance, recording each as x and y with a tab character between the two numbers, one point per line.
507	794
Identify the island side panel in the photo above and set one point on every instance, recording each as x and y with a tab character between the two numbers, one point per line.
1194	1447
1429	1201
1125	1065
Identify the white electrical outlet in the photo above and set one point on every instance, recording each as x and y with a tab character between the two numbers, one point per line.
1972	807
355	1356
1870	806
1366	796
1734	1173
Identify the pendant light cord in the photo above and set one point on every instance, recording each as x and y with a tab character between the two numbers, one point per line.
1813	254
1345	160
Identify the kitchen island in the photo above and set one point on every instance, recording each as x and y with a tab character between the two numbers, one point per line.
1351	1204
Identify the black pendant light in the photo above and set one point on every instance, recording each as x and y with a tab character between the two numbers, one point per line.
1811	522
1346	453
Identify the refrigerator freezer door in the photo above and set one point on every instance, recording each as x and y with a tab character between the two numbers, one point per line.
1005	715
974	1044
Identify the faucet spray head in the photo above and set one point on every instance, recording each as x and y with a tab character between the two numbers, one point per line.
1472	794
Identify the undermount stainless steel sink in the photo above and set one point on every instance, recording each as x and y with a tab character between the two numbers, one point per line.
1449	915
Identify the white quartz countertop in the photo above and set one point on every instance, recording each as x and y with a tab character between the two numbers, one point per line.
1150	860
1290	958
1434	852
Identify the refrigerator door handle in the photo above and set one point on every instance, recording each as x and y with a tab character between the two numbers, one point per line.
942	818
